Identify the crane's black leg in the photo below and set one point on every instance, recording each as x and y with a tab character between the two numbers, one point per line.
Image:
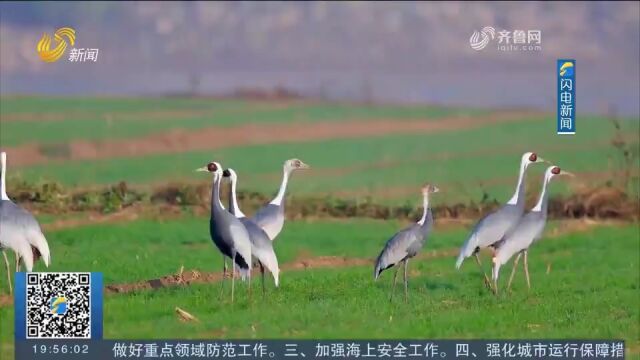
262	276
487	282
249	281
17	262
406	282
513	271
6	262
526	269
233	273
393	285
224	274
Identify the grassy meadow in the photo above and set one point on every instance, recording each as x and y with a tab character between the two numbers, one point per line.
585	294
585	277
468	162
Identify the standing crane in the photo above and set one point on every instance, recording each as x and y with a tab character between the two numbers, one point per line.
528	230
19	230
490	229
406	243
227	232
261	245
271	217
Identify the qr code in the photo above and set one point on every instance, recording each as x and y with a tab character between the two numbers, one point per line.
58	305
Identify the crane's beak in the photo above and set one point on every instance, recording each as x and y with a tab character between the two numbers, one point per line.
541	160
304	166
204	168
426	190
562	172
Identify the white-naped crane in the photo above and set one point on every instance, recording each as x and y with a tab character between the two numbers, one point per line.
528	230
228	234
261	245
406	243
491	228
19	230
271	217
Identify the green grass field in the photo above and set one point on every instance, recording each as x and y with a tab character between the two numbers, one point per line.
460	161
591	291
100	119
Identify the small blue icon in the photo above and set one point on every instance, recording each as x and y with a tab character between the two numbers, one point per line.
566	70
58	305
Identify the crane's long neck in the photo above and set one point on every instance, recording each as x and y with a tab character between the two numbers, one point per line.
425	210
543	201
216	205
3	181
518	195
233	200
283	188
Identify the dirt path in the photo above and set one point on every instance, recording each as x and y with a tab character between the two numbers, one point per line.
178	141
146	114
108	116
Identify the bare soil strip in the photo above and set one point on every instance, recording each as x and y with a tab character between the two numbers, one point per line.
178	141
139	115
131	213
87	115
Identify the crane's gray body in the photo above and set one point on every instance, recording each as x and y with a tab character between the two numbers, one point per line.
19	231
261	244
522	236
527	230
258	237
492	228
228	233
403	245
262	248
271	219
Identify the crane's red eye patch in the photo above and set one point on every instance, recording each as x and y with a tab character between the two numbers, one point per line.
533	157
298	164
212	167
555	170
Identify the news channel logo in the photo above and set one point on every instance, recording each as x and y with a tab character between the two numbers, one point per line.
58	305
566	90
63	38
